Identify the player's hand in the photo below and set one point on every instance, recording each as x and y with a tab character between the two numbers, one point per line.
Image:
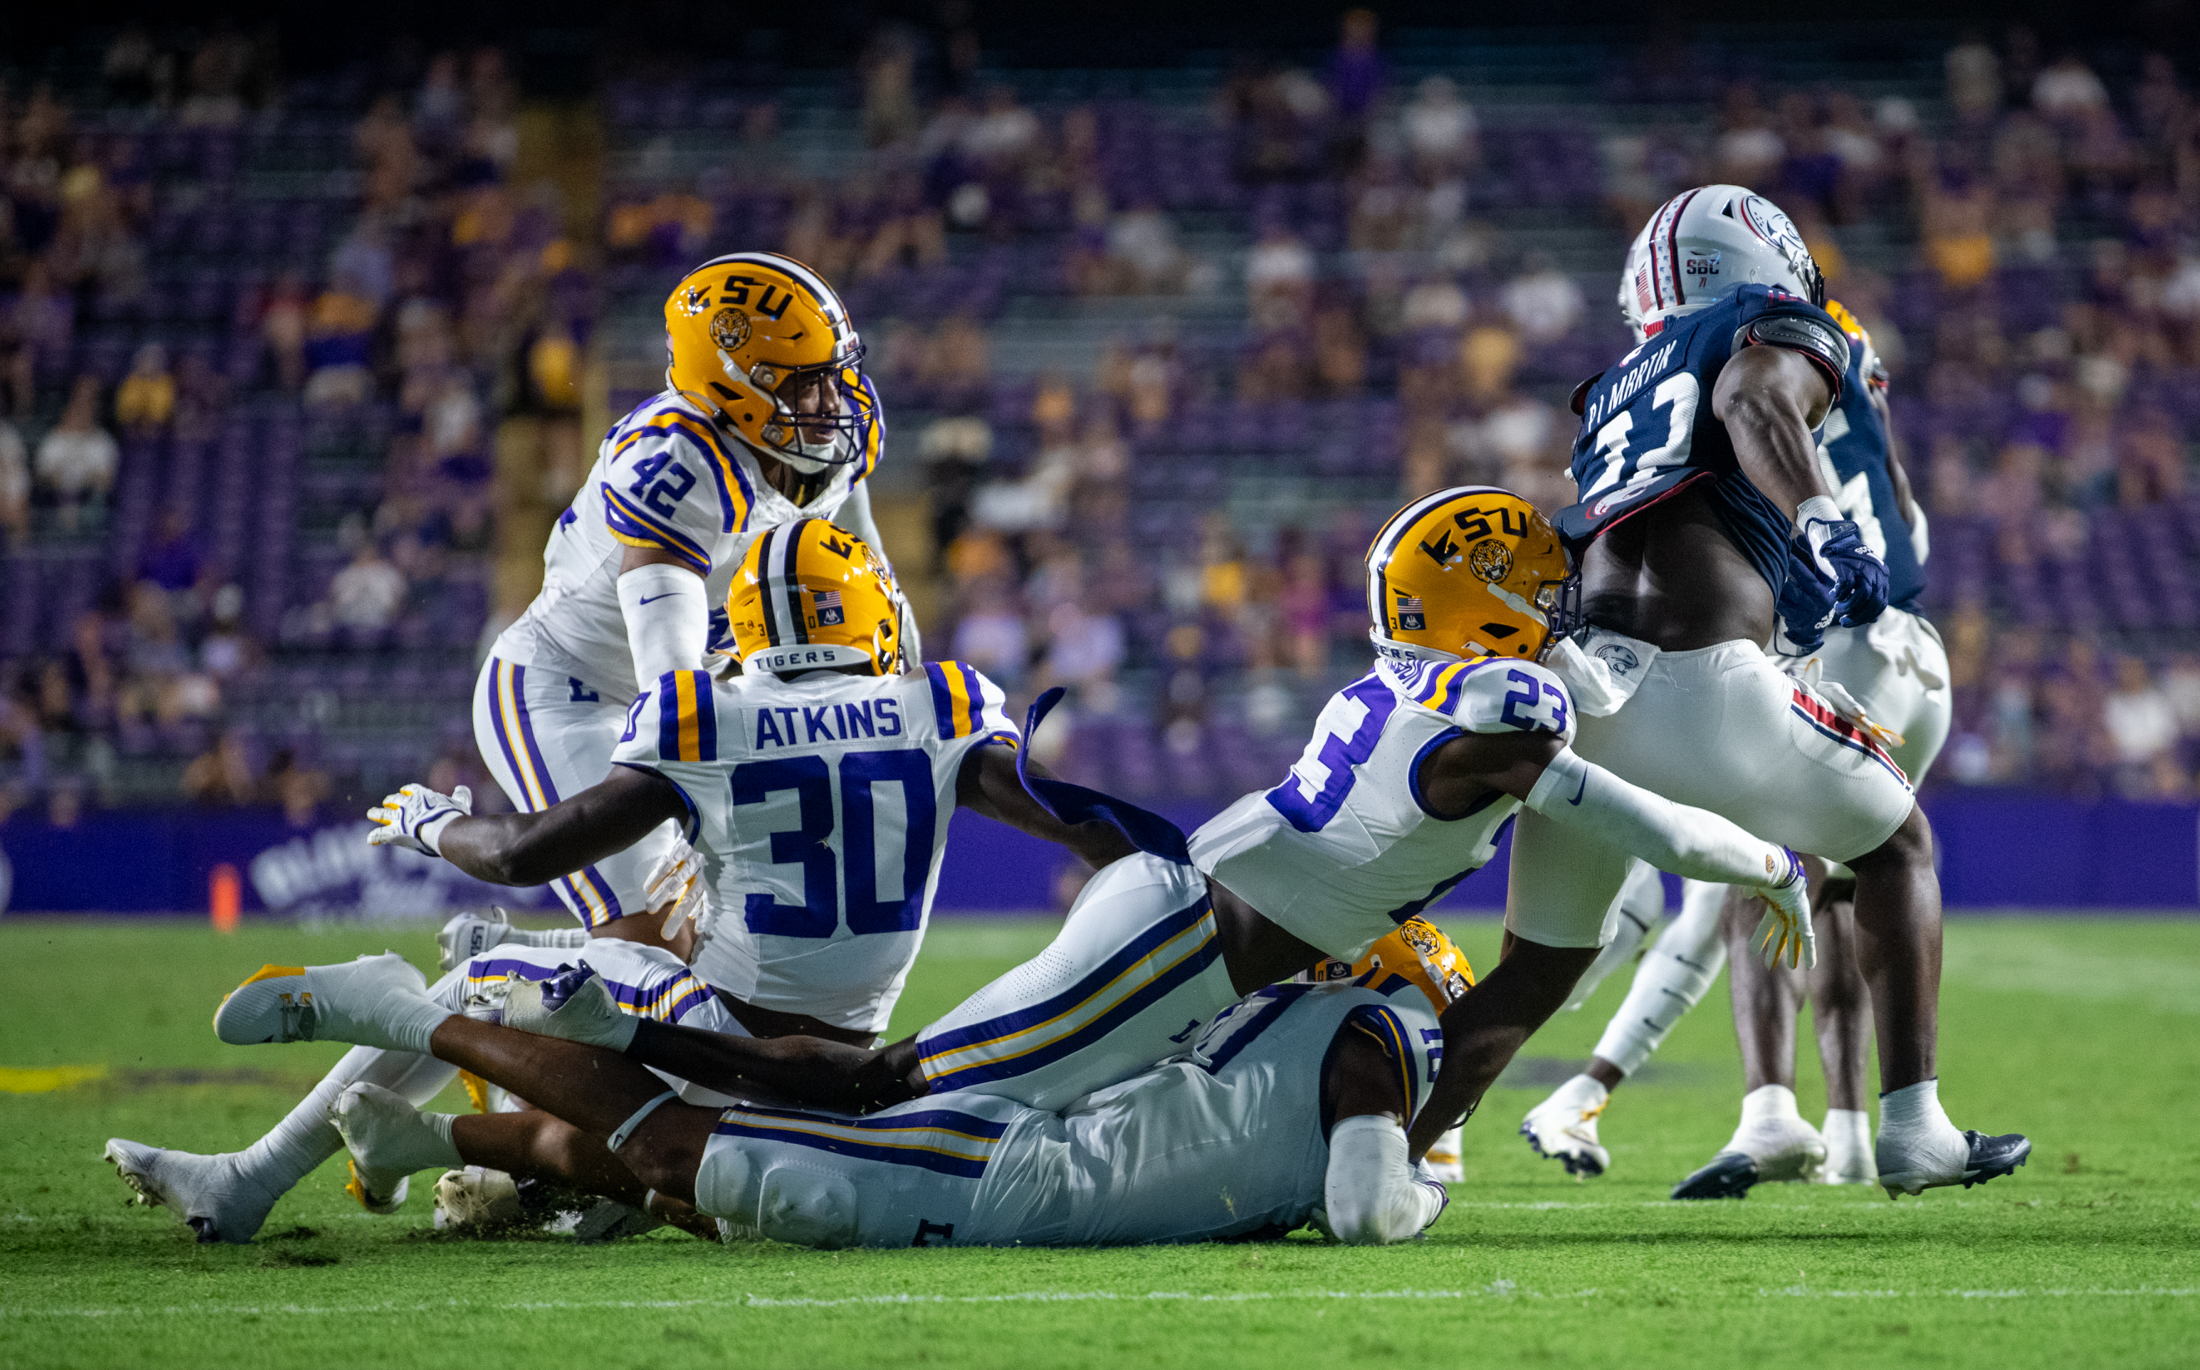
1785	933
675	889
1858	576
416	816
468	935
1806	607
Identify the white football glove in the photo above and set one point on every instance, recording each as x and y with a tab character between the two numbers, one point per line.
416	816
468	935
1785	933
675	889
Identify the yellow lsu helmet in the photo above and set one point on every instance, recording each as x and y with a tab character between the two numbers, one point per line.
1420	952
744	331
1465	572
812	596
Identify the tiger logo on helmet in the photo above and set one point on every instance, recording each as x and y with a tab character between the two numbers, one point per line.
1466	572
813	596
743	330
1420	952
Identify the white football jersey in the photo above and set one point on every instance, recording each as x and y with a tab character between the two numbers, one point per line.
821	808
666	477
1344	850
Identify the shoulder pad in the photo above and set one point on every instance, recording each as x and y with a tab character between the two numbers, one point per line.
1580	401
966	704
1820	341
1496	695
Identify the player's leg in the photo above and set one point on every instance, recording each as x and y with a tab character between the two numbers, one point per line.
1772	1141
1676	972
545	736
1560	889
1135	972
1634	917
227	1196
1724	729
1840	1006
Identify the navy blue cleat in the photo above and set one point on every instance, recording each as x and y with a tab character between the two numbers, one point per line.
1990	1158
1730	1175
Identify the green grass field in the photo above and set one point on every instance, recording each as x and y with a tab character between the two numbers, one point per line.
2084	1033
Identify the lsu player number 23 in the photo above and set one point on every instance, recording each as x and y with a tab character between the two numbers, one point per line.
764	419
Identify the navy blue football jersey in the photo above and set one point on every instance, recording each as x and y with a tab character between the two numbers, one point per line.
1647	430
1852	447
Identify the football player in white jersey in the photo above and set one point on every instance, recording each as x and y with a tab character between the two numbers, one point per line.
1412	775
1287	1107
764	419
1895	673
821	944
817	788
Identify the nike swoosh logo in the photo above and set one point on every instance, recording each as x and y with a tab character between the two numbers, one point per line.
1579	791
652	599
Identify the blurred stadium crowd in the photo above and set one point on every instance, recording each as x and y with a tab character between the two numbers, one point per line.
297	367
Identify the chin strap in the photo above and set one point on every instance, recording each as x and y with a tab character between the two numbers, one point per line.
1148	831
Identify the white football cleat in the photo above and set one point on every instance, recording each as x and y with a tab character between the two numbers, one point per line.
355	1002
1563	1127
1762	1151
468	935
1903	1170
1848	1137
212	1196
574	1005
476	1199
1444	1160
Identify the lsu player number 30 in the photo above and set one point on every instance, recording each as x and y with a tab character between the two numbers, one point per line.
765	418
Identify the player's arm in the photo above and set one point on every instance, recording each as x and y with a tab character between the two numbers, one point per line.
1898	475
1771	399
1541	771
988	784
1772	394
530	848
667	612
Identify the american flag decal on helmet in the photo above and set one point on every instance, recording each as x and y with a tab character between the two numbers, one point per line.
828	608
1411	619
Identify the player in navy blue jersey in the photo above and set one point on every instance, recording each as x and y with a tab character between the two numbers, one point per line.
1705	521
1893	673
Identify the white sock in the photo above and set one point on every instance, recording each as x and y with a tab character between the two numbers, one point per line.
427	1147
1848	1134
1914	1128
1675	974
1583	1092
1769	1104
306	1137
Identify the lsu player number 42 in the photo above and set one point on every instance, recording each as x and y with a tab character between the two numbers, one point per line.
765	418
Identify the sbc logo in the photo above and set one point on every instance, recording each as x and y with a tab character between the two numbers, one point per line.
1705	265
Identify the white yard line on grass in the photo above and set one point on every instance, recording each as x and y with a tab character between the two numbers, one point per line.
1500	1289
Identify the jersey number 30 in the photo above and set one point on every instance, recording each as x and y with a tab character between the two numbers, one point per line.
818	915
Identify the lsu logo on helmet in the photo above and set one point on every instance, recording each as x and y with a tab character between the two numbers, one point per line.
1420	952
1469	571
745	331
812	596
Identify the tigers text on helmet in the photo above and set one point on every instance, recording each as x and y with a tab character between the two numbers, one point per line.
1469	571
1704	242
1420	952
740	328
812	596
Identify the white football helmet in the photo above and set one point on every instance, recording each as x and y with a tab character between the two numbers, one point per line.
1703	243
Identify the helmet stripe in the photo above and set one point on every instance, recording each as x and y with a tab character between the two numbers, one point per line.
764	585
790	560
1673	245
